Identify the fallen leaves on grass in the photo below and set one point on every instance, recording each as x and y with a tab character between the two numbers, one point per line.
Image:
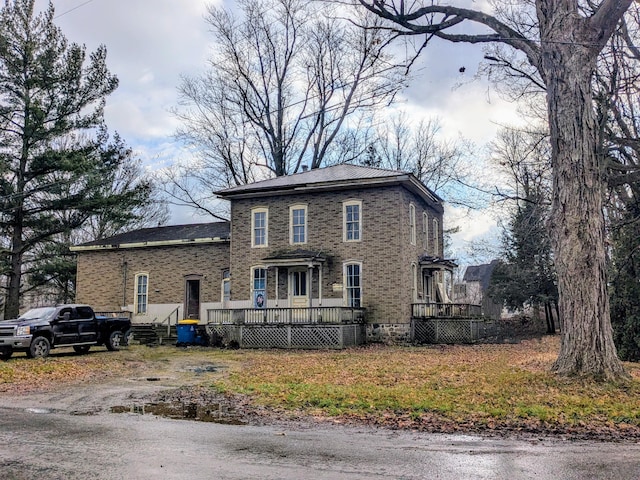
22	375
441	388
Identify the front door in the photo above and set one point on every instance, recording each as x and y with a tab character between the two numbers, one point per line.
298	289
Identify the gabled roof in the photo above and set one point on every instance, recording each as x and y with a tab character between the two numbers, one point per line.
337	177
480	273
160	236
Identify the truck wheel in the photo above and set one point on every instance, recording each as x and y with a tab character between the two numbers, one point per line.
114	341
6	355
82	348
39	348
127	337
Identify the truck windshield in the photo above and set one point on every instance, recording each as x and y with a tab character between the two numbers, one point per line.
42	312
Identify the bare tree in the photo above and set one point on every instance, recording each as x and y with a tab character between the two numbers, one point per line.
287	78
561	42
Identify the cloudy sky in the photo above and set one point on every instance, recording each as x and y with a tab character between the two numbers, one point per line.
151	43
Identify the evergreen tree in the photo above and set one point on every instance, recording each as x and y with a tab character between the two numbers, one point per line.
526	277
625	286
55	154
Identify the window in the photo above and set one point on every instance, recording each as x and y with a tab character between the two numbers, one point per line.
412	223
414	282
425	231
353	284
259	227
259	287
436	238
226	288
352	220
142	290
298	223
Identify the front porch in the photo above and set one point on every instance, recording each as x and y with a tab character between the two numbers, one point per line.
312	327
449	323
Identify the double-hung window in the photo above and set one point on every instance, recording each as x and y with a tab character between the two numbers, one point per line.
436	237
259	227
352	220
425	231
412	223
353	284
142	293
298	224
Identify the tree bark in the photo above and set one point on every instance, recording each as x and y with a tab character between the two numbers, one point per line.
577	223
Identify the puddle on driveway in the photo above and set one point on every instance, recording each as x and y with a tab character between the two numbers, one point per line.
215	413
207	368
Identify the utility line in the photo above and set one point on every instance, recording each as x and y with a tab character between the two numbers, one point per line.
72	9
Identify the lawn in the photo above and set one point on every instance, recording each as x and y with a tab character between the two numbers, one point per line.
440	388
437	388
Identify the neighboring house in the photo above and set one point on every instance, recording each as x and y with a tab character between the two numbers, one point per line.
345	237
474	286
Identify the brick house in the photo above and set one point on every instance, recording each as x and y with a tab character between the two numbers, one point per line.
156	273
343	238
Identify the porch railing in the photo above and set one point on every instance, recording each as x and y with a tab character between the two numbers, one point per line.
286	316
451	310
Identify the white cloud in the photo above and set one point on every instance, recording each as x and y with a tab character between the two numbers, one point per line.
151	43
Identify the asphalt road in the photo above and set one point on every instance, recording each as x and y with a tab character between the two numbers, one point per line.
39	443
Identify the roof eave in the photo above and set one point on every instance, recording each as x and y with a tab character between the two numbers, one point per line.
159	243
409	181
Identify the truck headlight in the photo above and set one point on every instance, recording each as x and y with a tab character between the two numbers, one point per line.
23	331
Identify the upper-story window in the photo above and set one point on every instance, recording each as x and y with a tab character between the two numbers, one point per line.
425	231
259	227
436	237
412	223
352	220
298	224
142	293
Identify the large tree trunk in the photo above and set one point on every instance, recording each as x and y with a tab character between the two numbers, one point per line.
12	305
577	223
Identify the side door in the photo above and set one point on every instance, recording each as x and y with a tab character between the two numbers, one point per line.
65	328
87	325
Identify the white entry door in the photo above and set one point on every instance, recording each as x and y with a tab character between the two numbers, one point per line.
298	289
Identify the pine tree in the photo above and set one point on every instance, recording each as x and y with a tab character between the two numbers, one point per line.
55	152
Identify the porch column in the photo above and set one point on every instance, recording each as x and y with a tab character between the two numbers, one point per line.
309	284
277	283
320	285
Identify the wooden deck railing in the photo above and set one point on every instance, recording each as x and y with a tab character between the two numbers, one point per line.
434	310
275	316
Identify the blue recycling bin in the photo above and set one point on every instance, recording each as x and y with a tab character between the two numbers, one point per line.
187	331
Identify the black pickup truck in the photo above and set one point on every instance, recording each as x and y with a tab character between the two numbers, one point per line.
39	330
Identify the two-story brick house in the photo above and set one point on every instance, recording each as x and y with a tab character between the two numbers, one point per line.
339	237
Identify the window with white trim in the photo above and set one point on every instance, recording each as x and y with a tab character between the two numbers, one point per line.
298	224
259	287
414	282
425	231
353	284
412	223
141	293
259	227
436	237
352	220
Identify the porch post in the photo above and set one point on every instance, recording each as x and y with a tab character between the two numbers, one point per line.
320	285
277	283
309	291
